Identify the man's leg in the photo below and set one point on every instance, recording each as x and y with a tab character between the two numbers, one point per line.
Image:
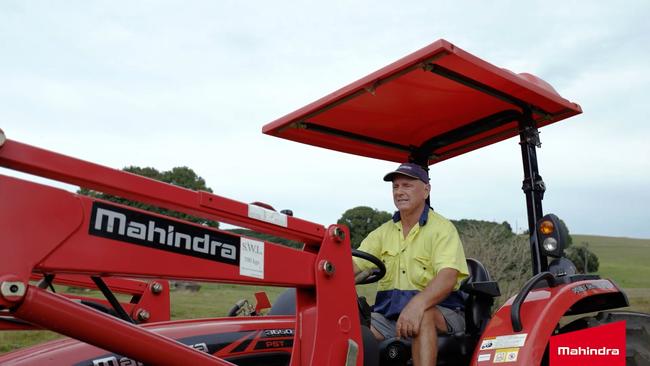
375	332
381	327
435	320
425	345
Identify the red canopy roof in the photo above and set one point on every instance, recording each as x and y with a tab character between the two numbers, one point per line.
437	103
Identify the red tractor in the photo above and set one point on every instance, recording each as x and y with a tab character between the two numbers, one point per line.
429	106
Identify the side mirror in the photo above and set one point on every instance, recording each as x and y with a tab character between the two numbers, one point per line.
550	236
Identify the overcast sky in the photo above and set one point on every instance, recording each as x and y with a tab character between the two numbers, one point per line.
173	83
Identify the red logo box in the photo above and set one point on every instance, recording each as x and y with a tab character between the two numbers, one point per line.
603	345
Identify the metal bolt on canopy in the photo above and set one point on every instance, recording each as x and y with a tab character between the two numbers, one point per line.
156	288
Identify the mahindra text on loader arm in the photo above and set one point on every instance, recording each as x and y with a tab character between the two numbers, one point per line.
455	101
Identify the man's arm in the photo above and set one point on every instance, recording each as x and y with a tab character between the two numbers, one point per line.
436	291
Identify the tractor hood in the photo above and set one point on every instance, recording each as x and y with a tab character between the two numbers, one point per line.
431	105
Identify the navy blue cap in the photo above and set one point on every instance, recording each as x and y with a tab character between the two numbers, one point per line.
410	170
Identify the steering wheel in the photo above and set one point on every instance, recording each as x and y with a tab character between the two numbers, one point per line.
372	275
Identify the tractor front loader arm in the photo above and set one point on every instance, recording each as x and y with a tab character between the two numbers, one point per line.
40	162
49	231
57	313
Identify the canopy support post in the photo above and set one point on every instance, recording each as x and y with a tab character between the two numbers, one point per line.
533	186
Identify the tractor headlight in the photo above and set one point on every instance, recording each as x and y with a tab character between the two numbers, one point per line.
550	244
550	236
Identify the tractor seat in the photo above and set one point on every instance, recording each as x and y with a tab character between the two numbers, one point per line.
480	292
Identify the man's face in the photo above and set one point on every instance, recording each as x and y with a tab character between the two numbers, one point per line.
409	193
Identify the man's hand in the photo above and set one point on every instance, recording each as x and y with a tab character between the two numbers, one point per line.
408	323
361	275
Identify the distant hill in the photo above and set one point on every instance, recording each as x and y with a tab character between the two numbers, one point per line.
624	260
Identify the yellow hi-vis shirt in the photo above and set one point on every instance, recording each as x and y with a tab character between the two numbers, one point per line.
412	262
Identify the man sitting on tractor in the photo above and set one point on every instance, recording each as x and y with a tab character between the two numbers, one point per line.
425	264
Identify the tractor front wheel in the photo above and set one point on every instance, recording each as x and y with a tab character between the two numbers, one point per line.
637	333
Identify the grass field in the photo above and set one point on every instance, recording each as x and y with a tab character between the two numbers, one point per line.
624	260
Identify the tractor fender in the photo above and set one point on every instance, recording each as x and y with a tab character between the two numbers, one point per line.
540	313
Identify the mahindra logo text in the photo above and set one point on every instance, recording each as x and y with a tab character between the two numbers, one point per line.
587	351
140	228
153	234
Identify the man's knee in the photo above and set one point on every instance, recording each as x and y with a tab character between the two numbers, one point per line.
429	315
428	321
434	319
378	336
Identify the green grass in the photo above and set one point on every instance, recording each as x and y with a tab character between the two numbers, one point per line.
624	260
215	300
10	341
639	299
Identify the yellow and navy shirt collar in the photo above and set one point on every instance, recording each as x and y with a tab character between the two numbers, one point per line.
424	216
